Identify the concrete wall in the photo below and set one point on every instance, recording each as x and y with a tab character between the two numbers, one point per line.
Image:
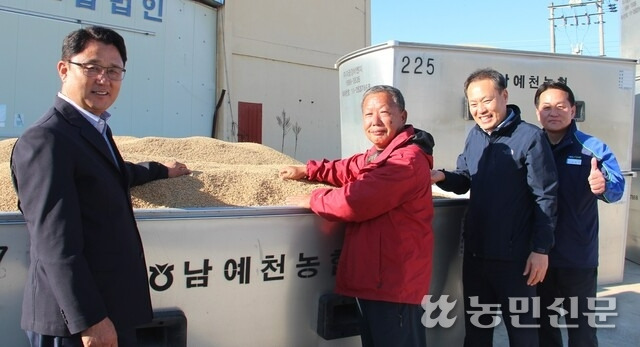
629	48
282	54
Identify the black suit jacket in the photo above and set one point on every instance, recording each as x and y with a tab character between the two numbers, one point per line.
87	260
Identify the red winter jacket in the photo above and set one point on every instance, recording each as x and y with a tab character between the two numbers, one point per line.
388	210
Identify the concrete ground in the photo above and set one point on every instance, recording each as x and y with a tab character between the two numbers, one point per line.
626	332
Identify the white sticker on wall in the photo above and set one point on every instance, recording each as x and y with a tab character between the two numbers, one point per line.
3	115
626	79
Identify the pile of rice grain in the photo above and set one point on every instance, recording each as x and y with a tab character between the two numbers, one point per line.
224	173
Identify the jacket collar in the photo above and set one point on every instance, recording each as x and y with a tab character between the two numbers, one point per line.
401	138
87	131
568	136
509	123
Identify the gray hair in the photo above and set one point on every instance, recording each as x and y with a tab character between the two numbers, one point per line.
395	94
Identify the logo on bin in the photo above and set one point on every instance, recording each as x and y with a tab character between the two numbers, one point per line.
441	308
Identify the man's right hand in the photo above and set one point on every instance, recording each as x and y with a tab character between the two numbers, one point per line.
294	172
102	334
436	176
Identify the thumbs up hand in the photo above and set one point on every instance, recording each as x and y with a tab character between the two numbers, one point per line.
596	178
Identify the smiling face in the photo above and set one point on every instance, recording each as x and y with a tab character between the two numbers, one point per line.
487	104
382	119
94	94
554	111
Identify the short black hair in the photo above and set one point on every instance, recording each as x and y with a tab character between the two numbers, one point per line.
554	85
77	41
486	74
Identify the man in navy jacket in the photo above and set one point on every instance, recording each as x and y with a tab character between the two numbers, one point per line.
508	231
587	171
87	279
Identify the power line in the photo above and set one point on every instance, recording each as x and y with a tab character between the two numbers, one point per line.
576	21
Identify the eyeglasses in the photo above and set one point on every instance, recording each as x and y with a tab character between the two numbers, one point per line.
93	70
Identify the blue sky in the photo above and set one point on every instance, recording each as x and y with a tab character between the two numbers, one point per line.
510	24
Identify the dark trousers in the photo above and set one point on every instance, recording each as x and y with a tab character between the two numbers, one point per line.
125	339
565	284
389	324
497	286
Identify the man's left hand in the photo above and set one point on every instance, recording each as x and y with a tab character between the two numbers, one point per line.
536	268
299	201
177	169
596	178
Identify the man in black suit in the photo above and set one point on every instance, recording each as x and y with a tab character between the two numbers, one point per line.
87	280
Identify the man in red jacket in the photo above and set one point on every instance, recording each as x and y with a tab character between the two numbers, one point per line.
384	197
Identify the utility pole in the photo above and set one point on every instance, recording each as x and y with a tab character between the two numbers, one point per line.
552	28
599	12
